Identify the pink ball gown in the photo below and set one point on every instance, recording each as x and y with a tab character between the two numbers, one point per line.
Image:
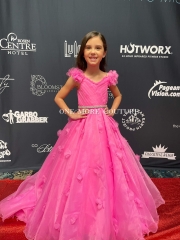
91	185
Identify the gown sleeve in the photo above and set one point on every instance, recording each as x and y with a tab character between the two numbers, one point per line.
113	78
76	74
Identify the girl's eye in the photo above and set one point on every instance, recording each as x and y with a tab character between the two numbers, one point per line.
89	47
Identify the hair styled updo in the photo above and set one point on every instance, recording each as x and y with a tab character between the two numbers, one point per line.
80	61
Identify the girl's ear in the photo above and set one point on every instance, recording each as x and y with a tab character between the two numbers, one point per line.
104	54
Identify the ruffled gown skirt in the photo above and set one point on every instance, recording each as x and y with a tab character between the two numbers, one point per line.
90	187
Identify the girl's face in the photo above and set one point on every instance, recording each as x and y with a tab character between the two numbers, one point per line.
94	51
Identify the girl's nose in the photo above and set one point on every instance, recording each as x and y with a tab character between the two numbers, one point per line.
92	50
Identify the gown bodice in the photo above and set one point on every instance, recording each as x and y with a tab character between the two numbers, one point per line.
92	93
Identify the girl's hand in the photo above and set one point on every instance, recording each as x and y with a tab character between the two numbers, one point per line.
78	115
109	112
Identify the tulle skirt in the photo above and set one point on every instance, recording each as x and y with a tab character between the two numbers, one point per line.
90	187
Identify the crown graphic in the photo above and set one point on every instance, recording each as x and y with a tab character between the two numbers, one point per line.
133	119
159	149
157	83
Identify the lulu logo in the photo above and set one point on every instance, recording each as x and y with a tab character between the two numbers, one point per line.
70	50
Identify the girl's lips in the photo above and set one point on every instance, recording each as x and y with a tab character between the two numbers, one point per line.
93	58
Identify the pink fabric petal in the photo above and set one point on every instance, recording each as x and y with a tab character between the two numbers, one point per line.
76	74
67	154
60	148
59	132
137	157
99	203
115	224
79	177
57	226
119	155
67	130
113	76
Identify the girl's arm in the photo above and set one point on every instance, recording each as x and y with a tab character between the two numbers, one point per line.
117	99
65	90
59	98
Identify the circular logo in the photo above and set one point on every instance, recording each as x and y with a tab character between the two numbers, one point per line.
38	84
133	119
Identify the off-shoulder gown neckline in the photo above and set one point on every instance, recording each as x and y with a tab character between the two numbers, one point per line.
94	81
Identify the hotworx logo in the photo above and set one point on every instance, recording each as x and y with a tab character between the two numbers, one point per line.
71	49
4	82
159	152
23	117
133	119
140	51
39	86
4	151
159	89
15	46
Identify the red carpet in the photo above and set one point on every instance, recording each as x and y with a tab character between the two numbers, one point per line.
169	225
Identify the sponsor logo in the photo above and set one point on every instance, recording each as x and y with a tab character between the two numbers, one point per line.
140	51
71	49
4	151
161	90
42	148
110	95
161	1
176	126
159	152
23	117
4	83
15	46
133	119
39	86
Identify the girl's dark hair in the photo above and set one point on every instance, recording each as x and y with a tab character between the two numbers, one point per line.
80	61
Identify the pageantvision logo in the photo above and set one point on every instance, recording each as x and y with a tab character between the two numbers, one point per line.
15	46
140	51
159	89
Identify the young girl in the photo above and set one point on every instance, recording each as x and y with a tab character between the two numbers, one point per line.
92	185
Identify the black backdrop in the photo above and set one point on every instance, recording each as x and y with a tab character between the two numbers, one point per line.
39	41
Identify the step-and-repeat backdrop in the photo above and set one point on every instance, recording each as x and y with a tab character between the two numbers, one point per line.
39	42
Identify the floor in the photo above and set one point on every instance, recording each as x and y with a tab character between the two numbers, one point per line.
153	173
